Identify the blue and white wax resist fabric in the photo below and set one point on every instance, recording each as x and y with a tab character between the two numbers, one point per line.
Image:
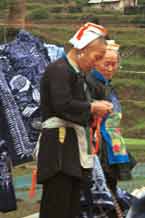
22	64
7	194
96	198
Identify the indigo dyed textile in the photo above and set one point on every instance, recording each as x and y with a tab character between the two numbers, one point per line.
96	199
22	63
7	194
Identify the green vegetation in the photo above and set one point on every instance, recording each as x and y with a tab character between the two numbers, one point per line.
137	148
141	2
54	21
38	14
130	88
136	142
132	184
4	4
136	63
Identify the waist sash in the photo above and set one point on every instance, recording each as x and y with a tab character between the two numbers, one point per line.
86	159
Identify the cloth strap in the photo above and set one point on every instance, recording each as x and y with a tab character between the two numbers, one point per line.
86	159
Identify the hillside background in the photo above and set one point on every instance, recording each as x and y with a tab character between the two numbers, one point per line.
54	21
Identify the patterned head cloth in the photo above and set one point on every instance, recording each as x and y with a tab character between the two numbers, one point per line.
87	34
112	45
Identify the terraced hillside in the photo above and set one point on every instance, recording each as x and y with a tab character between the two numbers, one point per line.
54	21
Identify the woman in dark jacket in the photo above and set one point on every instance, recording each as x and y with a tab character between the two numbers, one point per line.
112	151
66	114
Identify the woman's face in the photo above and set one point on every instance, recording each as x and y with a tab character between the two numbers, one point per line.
109	64
91	55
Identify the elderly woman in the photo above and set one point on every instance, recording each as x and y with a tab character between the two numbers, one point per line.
66	113
108	142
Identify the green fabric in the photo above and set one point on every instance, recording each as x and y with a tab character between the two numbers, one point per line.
88	140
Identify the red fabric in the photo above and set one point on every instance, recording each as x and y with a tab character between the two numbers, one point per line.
96	126
32	190
85	27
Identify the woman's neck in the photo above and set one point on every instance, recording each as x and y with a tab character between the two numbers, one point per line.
72	58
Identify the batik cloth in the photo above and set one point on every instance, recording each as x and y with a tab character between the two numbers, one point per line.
22	64
7	194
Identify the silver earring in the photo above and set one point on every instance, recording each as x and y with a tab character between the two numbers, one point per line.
80	55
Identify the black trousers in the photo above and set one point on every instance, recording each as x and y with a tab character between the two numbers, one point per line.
60	197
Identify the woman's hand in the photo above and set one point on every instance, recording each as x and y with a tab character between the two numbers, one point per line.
101	107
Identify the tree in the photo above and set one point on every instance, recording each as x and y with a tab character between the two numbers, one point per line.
16	13
15	18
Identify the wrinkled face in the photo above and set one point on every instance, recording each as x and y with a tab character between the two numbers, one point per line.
90	55
109	64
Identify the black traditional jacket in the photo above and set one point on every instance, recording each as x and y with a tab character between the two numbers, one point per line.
62	95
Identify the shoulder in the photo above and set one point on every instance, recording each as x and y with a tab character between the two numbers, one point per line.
56	69
59	64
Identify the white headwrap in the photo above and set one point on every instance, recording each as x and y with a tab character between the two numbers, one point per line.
87	34
112	45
